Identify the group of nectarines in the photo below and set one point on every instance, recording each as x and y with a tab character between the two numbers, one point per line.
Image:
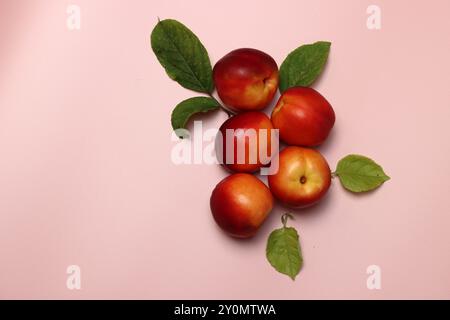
247	82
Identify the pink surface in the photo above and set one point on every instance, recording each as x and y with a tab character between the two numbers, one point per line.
86	176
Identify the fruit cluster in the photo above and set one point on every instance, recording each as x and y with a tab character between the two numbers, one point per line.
247	81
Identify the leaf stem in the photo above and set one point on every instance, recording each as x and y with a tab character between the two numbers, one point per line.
225	109
285	217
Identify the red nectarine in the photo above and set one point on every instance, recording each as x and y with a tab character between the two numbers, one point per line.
247	145
303	116
246	79
240	203
303	177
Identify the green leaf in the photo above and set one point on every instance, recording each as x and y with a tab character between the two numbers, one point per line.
304	65
184	110
283	251
183	56
360	174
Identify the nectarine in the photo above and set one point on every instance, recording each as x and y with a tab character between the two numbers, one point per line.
303	177
240	203
246	79
303	116
244	143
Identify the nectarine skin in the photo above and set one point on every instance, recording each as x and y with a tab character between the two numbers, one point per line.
248	120
246	79
240	203
303	116
303	177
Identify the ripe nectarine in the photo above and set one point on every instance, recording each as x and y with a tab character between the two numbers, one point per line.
240	203
246	79
244	143
303	177
303	116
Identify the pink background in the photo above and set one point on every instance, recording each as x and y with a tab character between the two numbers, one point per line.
86	176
